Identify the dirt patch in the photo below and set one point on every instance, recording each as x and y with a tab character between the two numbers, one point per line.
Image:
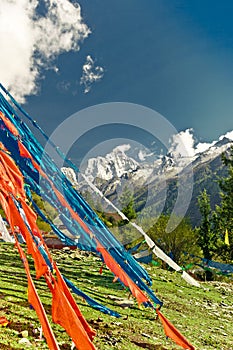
149	346
19	327
65	346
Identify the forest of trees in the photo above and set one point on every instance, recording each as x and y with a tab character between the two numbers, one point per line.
216	230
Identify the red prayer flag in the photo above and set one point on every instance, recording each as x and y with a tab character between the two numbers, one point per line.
13	174
26	154
15	217
173	333
63	314
34	300
23	151
122	275
10	126
61	283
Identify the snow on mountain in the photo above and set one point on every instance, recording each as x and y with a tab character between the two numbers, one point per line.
115	164
154	182
228	135
118	164
184	150
215	149
70	174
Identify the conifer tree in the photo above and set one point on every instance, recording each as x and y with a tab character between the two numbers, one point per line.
127	204
225	210
207	238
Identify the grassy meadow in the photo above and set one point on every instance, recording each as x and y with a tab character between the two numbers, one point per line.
203	315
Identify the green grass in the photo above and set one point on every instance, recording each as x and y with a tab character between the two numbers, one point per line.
204	315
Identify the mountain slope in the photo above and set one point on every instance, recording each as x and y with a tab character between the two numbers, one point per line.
155	183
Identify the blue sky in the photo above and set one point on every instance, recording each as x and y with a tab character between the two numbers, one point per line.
174	56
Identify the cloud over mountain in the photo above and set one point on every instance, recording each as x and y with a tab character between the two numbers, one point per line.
33	33
184	145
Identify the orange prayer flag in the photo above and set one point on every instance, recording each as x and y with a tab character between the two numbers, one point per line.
23	151
34	300
15	217
122	275
7	185
173	333
72	212
11	164
64	315
26	154
2	147
13	174
6	208
10	126
31	218
61	283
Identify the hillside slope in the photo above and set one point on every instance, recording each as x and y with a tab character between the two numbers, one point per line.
203	315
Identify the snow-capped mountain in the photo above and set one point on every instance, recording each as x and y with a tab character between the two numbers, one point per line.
70	174
115	164
119	164
214	150
119	167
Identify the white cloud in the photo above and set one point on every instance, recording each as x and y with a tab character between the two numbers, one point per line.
91	74
122	148
30	41
182	144
142	155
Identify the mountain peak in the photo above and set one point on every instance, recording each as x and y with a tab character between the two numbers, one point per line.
114	165
126	161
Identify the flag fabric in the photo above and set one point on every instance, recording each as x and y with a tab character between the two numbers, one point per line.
10	126
64	308
15	217
5	234
120	273
34	300
23	151
64	315
31	218
173	333
26	154
89	300
63	286
226	238
13	173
